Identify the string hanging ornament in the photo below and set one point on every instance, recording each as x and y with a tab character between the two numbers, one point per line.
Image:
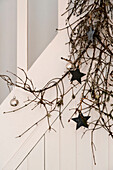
14	102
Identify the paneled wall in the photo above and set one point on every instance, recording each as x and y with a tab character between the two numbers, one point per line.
66	150
60	150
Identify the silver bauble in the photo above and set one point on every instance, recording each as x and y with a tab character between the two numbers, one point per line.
69	66
14	102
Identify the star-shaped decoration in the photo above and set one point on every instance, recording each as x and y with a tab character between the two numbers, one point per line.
90	34
81	121
76	75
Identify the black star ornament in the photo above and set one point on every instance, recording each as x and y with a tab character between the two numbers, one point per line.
76	75
81	121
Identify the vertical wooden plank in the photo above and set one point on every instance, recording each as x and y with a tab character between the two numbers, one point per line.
101	144
67	135
36	157
110	153
67	140
52	139
110	139
21	35
52	148
83	153
67	146
101	154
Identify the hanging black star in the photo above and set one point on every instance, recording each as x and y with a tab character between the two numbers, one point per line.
76	75
81	121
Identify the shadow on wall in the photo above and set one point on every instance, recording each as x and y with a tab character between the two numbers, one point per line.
42	24
8	41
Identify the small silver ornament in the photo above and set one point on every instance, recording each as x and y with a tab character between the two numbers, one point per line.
69	66
14	102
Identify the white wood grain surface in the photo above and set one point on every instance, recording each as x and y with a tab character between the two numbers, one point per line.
63	150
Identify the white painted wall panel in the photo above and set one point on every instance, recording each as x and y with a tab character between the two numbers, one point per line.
68	140
64	150
101	142
110	154
84	156
101	153
52	149
67	147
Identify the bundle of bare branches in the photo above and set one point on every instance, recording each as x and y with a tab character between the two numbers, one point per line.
89	27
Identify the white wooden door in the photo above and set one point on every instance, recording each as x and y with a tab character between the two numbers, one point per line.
38	149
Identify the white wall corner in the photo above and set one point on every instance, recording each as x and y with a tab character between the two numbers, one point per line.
20	120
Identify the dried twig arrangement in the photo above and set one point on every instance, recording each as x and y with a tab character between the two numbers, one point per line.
89	27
